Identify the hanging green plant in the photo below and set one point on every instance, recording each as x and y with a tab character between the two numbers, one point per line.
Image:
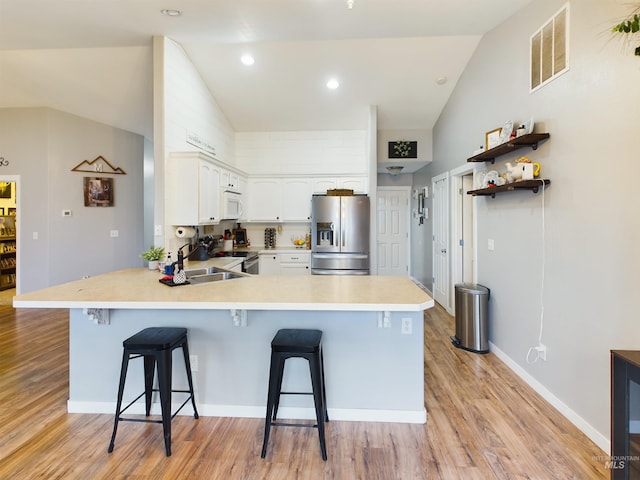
630	26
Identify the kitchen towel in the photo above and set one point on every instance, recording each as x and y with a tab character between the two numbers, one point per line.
185	232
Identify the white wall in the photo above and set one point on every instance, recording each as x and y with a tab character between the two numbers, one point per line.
590	233
302	152
42	146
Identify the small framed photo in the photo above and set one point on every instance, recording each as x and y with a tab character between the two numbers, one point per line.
492	139
1	211
5	189
98	192
11	211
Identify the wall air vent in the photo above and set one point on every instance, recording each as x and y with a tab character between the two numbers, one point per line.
550	50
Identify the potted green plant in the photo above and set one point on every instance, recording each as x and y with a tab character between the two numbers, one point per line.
630	27
153	256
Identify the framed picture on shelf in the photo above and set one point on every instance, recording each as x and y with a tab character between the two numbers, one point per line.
11	211
492	139
1	211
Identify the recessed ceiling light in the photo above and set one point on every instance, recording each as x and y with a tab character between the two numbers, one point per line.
247	60
171	13
333	83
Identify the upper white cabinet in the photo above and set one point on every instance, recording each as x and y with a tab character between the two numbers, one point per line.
265	199
296	199
192	190
229	181
279	199
359	184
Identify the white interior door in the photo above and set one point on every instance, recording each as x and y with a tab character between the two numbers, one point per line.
440	189
393	236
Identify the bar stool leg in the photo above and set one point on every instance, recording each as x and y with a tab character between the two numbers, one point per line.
276	362
324	390
149	372
164	385
279	376
318	400
123	376
187	362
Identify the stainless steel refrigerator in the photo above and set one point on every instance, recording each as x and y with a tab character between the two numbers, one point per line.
340	235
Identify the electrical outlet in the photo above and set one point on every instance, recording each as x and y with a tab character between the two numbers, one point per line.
542	352
490	244
193	359
157	230
407	326
114	233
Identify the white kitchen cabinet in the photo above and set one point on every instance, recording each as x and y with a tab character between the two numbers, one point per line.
264	200
359	184
296	199
193	192
268	264
294	263
279	199
229	181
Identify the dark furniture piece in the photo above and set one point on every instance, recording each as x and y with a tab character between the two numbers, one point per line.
625	405
298	343
155	345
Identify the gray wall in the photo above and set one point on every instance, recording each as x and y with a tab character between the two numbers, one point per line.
587	279
42	146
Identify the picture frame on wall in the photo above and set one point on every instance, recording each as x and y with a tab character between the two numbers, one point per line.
403	149
5	189
98	192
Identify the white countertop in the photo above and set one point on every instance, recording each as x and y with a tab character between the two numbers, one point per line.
139	288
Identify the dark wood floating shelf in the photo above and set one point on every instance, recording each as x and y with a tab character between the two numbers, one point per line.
532	185
528	140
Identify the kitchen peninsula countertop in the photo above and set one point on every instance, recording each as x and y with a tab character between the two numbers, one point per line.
139	288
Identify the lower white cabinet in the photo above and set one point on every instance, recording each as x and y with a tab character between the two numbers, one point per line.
295	263
268	264
285	263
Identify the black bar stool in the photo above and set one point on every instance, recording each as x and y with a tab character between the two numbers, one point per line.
155	345
290	343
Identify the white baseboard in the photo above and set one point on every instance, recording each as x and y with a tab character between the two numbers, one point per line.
243	411
595	436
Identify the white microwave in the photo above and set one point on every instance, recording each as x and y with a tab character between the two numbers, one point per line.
231	205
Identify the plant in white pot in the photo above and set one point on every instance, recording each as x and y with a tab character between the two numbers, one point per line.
153	256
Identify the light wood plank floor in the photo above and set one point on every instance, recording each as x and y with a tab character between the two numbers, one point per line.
483	423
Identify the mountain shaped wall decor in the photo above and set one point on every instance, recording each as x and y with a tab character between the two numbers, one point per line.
98	165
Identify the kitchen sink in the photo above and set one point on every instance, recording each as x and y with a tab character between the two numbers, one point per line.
212	274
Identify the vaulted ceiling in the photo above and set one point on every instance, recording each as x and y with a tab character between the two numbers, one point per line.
93	57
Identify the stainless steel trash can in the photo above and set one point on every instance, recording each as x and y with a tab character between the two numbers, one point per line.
472	317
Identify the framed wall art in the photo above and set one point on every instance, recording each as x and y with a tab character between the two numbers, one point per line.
403	149
5	189
98	192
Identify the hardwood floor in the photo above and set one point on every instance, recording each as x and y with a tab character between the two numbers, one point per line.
483	423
